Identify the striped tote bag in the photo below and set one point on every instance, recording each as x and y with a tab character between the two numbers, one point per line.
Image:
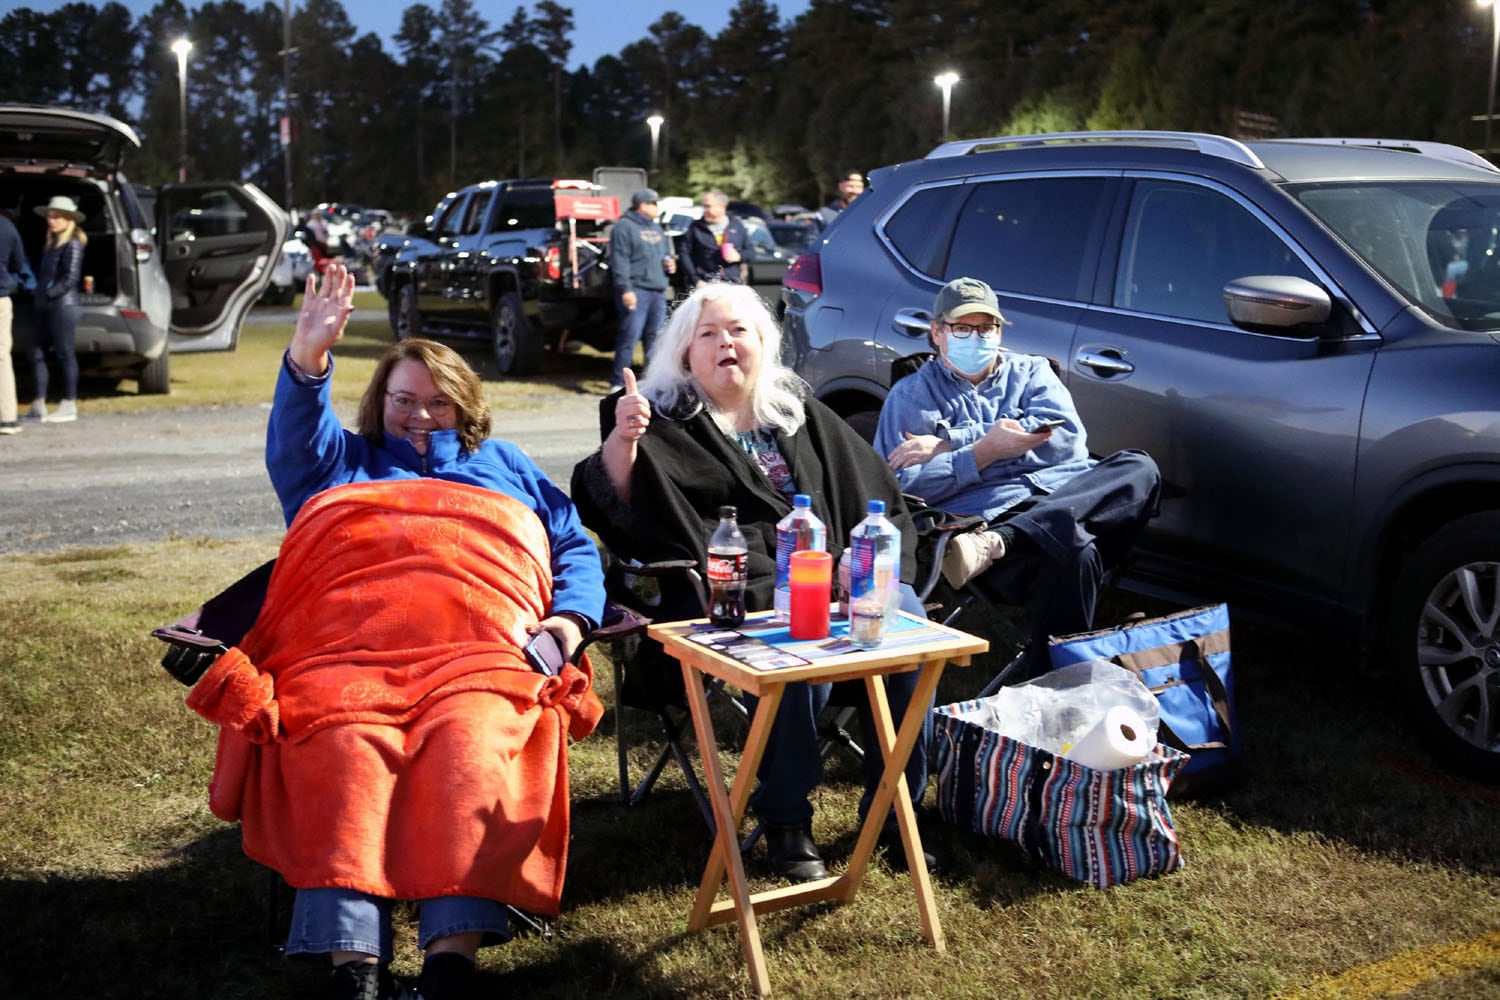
1100	827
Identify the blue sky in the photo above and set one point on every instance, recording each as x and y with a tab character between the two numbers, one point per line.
600	27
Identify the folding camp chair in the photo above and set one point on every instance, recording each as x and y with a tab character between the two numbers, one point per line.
974	605
197	639
646	679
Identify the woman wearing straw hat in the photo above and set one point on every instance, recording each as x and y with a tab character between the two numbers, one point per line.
57	307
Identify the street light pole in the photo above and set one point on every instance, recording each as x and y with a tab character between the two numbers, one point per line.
286	98
1489	111
182	47
656	122
946	81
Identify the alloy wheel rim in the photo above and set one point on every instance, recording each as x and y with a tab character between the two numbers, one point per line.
1458	652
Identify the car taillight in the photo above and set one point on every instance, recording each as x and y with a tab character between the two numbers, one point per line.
141	238
552	263
805	274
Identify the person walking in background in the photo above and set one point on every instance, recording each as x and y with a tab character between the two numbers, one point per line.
713	245
14	274
641	260
851	185
57	307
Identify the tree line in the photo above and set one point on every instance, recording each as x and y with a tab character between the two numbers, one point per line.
768	109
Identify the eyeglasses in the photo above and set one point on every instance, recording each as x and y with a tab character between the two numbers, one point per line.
404	402
963	331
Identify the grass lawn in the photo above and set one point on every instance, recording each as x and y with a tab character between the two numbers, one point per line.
1347	866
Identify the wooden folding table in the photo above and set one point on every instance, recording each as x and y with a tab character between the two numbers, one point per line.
760	658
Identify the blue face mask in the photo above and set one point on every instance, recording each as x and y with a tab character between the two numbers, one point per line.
974	354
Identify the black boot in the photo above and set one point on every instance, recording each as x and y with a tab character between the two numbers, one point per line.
446	976
793	854
358	981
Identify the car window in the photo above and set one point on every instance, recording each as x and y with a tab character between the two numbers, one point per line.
916	232
202	214
1184	243
527	208
1031	236
479	203
1438	242
447	221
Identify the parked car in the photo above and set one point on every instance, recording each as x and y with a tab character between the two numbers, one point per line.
522	264
179	275
1305	335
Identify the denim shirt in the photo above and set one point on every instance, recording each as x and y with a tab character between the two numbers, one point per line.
935	400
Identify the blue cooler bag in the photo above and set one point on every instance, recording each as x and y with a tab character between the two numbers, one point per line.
1184	659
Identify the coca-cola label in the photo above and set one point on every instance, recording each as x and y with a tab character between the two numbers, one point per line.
726	568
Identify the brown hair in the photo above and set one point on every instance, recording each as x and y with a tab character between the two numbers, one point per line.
450	373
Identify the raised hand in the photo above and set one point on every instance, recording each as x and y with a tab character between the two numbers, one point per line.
632	410
325	313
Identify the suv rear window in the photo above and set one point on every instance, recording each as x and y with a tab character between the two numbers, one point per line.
527	208
1030	236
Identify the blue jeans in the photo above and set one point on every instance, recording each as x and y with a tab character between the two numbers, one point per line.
638	324
1073	535
793	763
326	920
56	330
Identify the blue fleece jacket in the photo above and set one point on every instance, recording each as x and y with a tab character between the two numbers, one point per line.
308	451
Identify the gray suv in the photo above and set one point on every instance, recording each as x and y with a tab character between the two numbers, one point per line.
172	270
1304	333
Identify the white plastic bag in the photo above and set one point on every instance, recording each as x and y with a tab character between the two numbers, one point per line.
1055	710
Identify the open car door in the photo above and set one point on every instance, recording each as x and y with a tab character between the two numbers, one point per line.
219	242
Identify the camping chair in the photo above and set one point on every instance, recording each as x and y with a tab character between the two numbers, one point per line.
198	638
646	679
974	602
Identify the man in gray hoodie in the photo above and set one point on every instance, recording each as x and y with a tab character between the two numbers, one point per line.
640	259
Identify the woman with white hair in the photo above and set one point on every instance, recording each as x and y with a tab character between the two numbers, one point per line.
57	308
717	419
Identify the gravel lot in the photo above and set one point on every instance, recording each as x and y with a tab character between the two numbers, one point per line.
195	472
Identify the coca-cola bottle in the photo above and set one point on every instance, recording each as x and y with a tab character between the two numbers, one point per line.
728	565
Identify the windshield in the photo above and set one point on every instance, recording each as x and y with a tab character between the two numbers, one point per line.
1439	243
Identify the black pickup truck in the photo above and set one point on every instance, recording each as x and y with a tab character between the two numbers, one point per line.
521	264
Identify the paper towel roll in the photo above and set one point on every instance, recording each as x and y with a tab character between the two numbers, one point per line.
1119	740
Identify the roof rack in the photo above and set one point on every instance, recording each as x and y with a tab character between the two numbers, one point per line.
1437	150
1214	145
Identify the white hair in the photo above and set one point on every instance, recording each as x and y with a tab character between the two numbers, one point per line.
776	396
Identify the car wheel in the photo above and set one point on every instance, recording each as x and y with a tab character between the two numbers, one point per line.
518	348
1443	641
406	321
864	423
153	379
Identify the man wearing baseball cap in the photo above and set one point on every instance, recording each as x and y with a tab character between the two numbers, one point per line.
640	260
978	431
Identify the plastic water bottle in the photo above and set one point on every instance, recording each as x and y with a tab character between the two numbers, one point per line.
728	567
874	576
801	529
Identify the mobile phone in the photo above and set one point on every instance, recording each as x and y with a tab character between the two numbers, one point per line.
1047	425
544	654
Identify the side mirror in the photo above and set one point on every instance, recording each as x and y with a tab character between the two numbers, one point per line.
1277	303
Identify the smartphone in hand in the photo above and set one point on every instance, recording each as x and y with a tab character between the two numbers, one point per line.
1047	425
544	654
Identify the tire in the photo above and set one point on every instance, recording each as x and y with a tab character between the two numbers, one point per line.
1442	642
864	423
406	320
517	346
154	378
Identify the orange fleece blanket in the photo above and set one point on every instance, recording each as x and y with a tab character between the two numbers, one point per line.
381	730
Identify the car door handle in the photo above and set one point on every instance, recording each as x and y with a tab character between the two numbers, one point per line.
1105	361
912	322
